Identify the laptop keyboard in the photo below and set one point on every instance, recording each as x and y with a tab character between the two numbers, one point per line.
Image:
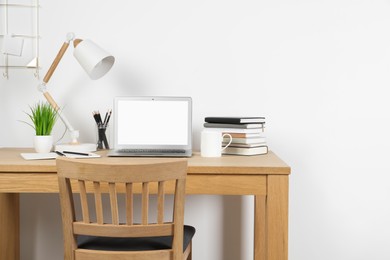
153	151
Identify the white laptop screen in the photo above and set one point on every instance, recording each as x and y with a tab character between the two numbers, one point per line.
152	122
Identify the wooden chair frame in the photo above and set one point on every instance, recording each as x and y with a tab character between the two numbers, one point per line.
113	177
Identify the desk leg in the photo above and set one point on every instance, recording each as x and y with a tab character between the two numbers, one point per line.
260	231
9	226
277	217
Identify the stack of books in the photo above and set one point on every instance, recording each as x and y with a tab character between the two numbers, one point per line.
248	134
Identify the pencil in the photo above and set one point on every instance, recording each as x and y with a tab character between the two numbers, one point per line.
98	119
105	118
108	118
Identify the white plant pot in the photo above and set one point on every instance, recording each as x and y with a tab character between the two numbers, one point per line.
43	143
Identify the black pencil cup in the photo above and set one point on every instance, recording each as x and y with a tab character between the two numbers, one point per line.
102	142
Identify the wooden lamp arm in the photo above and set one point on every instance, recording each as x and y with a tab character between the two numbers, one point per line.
56	62
42	87
50	72
74	134
51	101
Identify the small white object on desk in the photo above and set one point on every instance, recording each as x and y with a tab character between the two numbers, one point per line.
53	155
71	154
38	156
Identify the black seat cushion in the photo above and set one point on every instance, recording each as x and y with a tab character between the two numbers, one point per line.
133	244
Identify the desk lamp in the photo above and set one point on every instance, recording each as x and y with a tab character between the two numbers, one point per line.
96	62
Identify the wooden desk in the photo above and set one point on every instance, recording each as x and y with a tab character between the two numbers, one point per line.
264	176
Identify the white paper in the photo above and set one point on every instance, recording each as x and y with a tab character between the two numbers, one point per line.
44	156
38	156
12	45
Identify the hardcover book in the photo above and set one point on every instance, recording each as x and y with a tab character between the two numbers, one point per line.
236	130
247	135
245	145
235	120
220	125
246	151
245	140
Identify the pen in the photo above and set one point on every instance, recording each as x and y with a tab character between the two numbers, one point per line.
69	152
59	153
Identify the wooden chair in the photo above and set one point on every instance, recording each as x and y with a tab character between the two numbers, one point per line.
102	237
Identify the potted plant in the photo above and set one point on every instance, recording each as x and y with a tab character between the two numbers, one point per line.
43	118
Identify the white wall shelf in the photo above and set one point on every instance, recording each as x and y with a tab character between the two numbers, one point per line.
19	19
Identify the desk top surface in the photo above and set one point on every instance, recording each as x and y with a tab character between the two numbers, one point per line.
11	161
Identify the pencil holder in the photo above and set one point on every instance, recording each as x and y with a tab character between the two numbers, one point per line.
102	133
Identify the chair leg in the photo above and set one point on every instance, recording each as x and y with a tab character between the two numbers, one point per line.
190	253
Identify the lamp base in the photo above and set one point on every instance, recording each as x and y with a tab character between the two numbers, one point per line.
82	148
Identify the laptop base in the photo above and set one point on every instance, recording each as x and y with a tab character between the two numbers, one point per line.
116	153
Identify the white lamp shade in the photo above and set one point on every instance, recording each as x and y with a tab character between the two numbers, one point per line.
94	60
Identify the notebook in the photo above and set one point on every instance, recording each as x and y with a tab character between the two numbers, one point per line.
152	126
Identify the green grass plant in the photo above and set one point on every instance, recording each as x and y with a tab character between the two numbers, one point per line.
43	118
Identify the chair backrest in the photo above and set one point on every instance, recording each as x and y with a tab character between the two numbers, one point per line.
114	176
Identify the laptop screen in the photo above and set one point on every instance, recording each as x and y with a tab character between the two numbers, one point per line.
159	122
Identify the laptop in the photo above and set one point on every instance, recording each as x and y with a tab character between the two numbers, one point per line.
152	126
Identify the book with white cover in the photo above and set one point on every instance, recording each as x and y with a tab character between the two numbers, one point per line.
236	130
246	151
245	145
247	135
245	140
218	125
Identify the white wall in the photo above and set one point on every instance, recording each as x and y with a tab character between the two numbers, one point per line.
318	70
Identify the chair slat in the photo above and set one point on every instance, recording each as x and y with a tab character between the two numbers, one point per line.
98	203
84	201
145	203
104	255
160	202
94	229
113	203
129	204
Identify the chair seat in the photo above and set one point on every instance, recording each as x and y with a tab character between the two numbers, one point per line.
133	244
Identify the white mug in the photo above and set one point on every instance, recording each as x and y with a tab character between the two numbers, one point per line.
211	143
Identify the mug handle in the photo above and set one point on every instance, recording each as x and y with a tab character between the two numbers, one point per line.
230	141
